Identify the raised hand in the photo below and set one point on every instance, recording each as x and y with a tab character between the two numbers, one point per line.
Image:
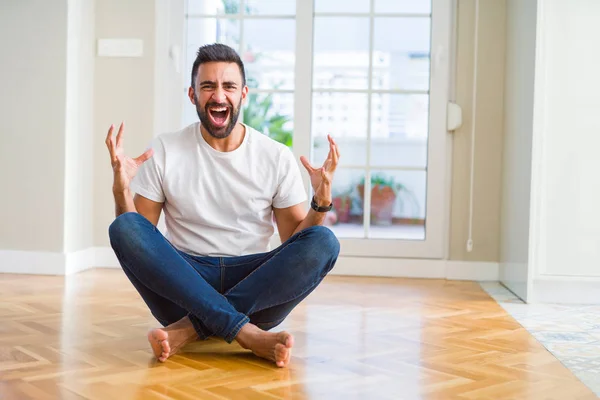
321	178
124	167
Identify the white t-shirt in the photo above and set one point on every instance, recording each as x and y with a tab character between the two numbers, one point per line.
219	203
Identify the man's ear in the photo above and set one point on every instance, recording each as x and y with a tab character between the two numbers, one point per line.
192	95
244	93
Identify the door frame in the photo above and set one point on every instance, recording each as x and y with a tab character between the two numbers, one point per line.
435	245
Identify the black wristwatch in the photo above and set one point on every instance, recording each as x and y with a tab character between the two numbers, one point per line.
317	208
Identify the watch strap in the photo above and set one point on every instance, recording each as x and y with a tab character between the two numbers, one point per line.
317	208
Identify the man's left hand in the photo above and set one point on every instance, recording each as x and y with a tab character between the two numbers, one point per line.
321	178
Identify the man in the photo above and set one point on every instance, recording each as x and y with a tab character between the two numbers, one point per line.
219	183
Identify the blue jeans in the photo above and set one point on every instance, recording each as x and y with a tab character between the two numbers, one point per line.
221	294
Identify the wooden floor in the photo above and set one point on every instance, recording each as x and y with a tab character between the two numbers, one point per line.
83	337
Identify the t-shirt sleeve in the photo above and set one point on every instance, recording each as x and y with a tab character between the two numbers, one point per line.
290	189
149	178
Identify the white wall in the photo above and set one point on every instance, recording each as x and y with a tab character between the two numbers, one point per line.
169	76
59	101
521	16
488	131
124	90
33	39
79	126
46	156
565	251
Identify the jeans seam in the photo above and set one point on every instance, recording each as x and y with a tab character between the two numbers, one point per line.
222	270
125	266
233	333
199	329
295	296
288	243
136	272
237	265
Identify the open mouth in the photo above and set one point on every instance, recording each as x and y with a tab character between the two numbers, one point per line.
219	115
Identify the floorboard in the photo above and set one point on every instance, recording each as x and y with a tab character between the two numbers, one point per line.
83	337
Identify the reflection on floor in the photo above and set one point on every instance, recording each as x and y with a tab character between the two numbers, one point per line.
407	232
84	337
570	332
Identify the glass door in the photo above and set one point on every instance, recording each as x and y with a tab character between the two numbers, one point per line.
379	86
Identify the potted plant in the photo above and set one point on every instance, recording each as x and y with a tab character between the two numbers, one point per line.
384	195
342	204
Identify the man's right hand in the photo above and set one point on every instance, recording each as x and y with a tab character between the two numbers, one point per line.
124	167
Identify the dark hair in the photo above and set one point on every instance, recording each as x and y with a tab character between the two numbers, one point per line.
220	53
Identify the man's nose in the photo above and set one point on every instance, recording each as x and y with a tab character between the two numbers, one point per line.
219	95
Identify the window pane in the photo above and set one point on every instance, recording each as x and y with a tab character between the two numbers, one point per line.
346	217
190	114
271	7
403	6
398	200
331	6
344	116
201	31
270	59
399	130
212	7
341	53
271	114
402	63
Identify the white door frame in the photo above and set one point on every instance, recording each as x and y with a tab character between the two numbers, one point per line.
435	244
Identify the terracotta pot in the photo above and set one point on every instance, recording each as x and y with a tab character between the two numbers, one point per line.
342	207
382	204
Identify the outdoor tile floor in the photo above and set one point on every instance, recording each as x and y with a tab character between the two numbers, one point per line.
570	332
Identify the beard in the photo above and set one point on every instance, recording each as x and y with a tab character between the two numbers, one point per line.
218	131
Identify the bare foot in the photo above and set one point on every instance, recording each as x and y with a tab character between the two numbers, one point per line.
159	340
167	341
276	347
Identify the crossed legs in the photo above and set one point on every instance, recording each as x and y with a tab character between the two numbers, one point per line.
237	298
